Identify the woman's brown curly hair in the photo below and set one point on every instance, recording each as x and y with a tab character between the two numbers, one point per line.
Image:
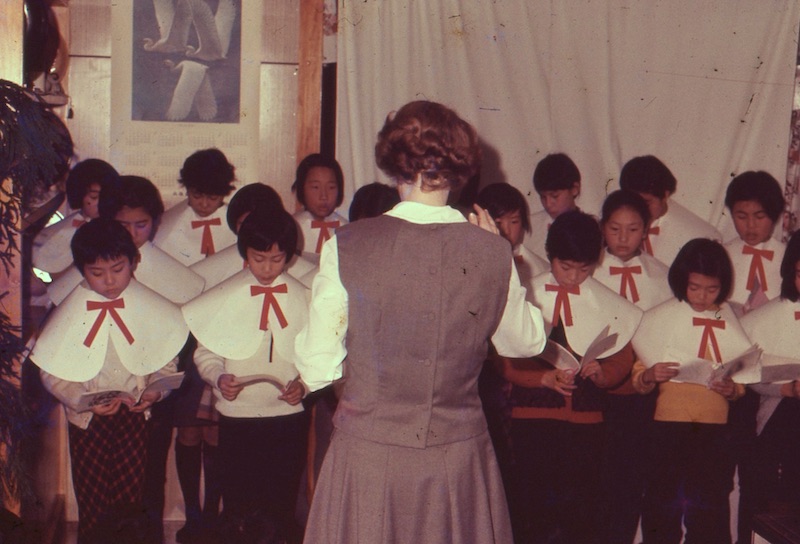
430	139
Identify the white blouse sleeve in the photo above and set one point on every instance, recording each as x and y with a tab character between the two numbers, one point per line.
320	346
521	329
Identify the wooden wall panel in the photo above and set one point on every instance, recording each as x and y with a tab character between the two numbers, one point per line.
281	31
277	159
90	90
90	28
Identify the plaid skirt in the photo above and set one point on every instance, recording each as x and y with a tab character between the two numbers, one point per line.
108	460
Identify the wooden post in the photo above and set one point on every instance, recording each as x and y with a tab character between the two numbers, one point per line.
11	28
309	78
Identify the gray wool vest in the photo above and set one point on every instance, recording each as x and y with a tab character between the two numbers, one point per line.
424	301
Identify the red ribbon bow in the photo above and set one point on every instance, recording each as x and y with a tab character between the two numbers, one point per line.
270	300
757	266
106	307
207	243
797	316
324	231
627	280
708	336
646	244
562	301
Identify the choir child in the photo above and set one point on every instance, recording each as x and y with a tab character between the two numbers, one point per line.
193	229
671	224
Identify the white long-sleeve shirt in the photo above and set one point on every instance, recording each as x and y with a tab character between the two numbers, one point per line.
320	346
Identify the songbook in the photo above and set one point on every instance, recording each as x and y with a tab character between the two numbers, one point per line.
744	368
561	358
262	378
89	400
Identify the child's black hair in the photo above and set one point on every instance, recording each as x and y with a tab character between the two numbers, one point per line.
625	199
84	174
705	257
373	200
788	269
322	161
760	187
647	174
133	192
501	198
574	236
208	172
249	198
104	239
555	172
260	231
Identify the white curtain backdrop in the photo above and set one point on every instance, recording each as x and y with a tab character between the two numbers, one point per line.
706	85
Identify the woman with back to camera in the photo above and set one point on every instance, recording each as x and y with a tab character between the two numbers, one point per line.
411	299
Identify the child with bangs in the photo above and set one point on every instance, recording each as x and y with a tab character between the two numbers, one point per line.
557	181
690	462
671	225
103	337
137	206
245	327
771	473
509	209
85	182
253	198
193	229
372	200
756	203
624	267
319	188
642	279
557	428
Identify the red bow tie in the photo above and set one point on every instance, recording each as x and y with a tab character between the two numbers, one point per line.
708	336
270	300
324	231
646	244
207	242
77	223
627	280
757	266
106	307
562	301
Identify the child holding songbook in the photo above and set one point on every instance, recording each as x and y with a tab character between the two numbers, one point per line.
104	337
319	188
690	471
671	224
85	182
194	228
557	181
245	327
509	209
557	428
772	472
755	201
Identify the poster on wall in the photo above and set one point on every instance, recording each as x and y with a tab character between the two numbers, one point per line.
185	76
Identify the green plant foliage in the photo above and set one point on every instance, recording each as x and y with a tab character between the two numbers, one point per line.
35	149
